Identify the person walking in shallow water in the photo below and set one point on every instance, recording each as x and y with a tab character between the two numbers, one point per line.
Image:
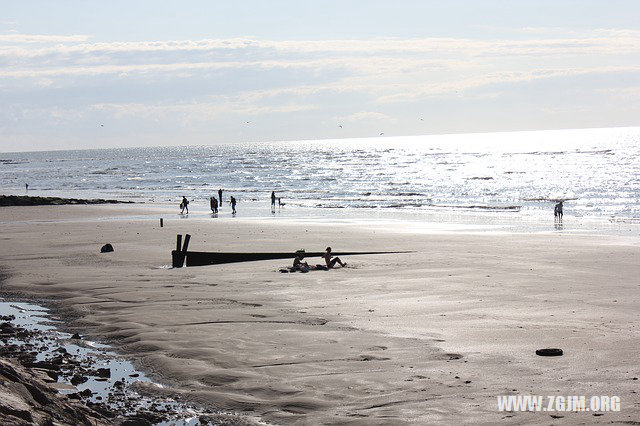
557	212
220	196
273	199
332	262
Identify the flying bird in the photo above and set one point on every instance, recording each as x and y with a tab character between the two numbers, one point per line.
340	125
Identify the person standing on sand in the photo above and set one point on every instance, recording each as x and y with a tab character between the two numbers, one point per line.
214	204
557	212
26	186
273	199
331	262
233	205
184	205
220	196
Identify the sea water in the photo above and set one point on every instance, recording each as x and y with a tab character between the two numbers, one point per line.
492	178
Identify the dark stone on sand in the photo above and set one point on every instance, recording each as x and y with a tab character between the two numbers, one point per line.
76	336
24	200
549	352
107	248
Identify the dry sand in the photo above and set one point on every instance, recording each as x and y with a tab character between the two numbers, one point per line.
430	336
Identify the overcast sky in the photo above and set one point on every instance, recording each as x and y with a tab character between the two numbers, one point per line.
97	74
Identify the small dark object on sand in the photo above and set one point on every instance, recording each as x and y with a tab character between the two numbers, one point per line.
106	248
76	336
549	352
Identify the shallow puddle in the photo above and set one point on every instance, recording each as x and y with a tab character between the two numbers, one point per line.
88	370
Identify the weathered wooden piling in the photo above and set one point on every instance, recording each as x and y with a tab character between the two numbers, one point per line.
201	258
180	253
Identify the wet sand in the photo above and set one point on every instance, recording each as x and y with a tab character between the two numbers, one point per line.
429	336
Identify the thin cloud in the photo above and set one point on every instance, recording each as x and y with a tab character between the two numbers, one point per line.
411	93
15	38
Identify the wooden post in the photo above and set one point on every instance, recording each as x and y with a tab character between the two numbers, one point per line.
176	256
187	237
180	253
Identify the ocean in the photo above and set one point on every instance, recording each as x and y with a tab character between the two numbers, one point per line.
499	181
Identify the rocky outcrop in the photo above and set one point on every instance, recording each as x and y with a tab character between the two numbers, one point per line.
26	399
23	200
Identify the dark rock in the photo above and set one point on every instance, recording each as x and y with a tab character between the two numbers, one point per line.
103	372
76	336
6	326
549	352
78	379
21	414
23	200
106	248
38	395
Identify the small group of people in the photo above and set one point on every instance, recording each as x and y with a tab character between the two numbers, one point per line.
213	203
299	264
557	212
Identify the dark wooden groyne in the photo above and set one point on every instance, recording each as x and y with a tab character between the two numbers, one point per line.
202	258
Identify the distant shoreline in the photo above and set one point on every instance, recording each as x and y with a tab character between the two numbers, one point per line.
25	200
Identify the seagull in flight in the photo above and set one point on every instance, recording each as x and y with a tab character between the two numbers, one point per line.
382	134
340	125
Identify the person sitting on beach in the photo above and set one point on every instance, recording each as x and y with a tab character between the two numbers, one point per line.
298	263
184	205
557	212
332	262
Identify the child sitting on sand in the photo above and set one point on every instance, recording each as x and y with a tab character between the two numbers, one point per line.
298	263
331	262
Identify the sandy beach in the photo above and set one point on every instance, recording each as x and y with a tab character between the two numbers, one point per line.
432	336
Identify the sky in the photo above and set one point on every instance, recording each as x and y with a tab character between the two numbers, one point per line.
101	74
